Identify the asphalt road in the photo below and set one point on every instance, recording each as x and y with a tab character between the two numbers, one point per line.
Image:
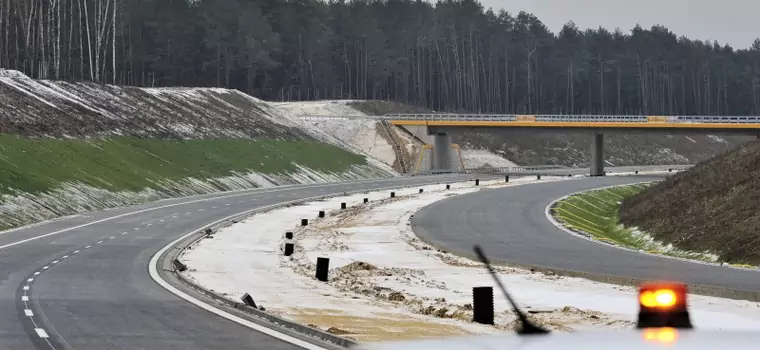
93	290
84	279
511	226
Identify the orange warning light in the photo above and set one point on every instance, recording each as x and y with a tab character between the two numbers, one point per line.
663	296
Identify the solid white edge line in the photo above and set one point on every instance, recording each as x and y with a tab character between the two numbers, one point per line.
24	298
28	312
41	332
153	271
559	225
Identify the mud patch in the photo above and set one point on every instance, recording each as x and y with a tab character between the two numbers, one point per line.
374	327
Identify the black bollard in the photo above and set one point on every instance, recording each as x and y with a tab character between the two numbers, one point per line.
420	190
343	205
482	305
393	194
321	213
304	222
506	178
636	172
670	170
448	187
538	177
289	249
366	200
289	235
477	182
323	266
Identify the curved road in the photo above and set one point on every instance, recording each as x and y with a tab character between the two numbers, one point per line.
510	223
84	280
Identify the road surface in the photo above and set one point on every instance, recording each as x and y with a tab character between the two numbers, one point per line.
511	226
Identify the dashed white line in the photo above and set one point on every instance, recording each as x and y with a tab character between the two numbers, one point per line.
36	273
45	267
136	229
88	247
200	209
148	225
24	298
55	261
41	332
110	237
64	257
30	280
213	207
99	242
227	204
76	251
124	233
26	287
28	312
162	220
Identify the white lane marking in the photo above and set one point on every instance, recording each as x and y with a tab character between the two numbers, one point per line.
227	204
26	287
240	193
162	220
64	257
87	247
36	273
30	280
213	207
124	233
45	267
110	237
76	251
24	298
136	229
148	225
99	242
200	209
240	202
28	312
152	269
55	261
41	332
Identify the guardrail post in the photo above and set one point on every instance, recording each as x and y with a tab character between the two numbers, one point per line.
323	266
482	305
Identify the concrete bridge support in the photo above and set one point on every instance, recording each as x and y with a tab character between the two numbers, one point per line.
597	154
441	151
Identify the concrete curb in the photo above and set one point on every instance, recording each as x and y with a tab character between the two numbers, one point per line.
175	251
713	291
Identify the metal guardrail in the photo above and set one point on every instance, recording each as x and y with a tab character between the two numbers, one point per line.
490	170
551	118
576	118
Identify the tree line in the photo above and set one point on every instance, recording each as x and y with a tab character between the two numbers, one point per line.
453	55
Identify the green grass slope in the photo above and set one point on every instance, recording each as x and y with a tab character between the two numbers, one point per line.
713	206
595	214
43	178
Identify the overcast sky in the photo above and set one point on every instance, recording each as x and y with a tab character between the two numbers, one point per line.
733	22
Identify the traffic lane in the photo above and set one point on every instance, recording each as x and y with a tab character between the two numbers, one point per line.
59	295
510	223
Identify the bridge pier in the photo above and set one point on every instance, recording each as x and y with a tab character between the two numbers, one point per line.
597	154
441	151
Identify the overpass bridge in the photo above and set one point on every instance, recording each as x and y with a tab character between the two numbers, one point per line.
439	125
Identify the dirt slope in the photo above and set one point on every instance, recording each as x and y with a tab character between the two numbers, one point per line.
713	207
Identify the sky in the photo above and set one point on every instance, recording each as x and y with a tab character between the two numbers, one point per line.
733	22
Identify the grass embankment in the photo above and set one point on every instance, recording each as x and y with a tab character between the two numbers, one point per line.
596	214
132	164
